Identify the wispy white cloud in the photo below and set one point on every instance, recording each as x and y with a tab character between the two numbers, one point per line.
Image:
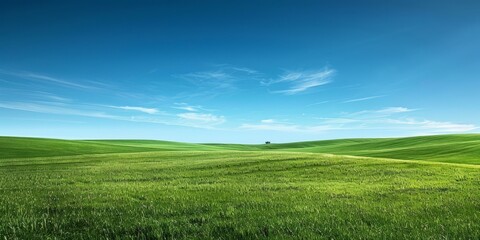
392	110
187	108
294	82
233	68
267	121
381	112
389	119
52	109
33	94
41	120
434	126
363	99
208	75
224	79
139	109
317	103
338	120
340	124
274	125
384	119
190	108
194	120
281	127
46	79
270	127
221	78
56	98
205	118
244	69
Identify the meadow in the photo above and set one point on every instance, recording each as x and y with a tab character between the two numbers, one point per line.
406	188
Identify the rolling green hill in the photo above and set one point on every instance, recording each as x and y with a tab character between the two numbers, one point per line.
441	148
245	195
142	189
18	147
463	148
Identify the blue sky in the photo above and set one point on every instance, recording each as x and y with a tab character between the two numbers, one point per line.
239	71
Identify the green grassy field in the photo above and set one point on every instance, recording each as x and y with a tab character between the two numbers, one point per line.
463	148
420	188
440	148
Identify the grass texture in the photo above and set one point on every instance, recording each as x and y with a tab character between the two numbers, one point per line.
119	189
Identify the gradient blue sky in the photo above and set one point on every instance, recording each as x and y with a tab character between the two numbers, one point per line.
239	71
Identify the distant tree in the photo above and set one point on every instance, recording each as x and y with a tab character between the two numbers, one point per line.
267	142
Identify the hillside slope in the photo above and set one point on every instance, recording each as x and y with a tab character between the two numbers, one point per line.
464	148
245	195
19	147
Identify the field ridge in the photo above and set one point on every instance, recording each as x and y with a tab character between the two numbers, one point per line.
456	148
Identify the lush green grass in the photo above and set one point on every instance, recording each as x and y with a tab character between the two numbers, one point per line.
442	148
163	190
463	148
13	147
16	147
226	195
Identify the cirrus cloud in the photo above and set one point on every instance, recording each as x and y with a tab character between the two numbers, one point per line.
139	109
294	82
206	118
